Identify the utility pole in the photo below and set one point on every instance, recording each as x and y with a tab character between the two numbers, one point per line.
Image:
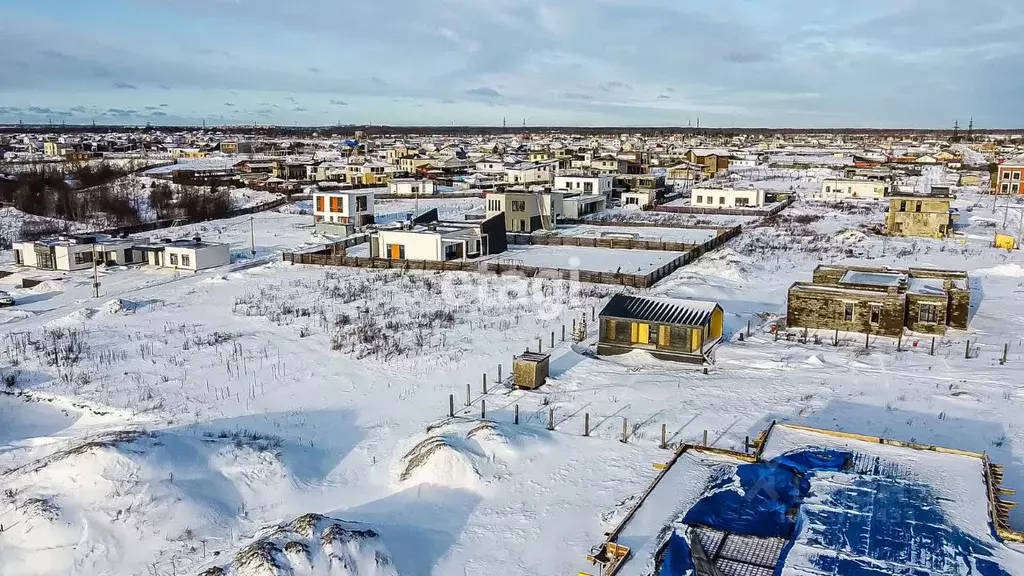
95	276
252	234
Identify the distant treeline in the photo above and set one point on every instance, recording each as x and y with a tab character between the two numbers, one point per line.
100	195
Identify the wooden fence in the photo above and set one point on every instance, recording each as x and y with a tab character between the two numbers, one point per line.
328	256
762	213
613	243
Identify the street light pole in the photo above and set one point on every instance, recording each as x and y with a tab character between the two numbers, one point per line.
252	235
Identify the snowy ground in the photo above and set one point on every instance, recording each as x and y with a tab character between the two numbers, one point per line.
133	450
689	235
584	258
447	208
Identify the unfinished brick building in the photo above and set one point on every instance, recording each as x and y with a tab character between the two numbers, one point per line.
880	301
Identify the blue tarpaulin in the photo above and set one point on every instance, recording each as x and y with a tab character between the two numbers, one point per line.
755	500
807	460
678	560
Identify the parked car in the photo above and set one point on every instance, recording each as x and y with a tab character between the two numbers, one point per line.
6	299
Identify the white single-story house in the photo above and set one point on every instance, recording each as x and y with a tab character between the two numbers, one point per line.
579	205
641	198
78	252
585	184
726	197
342	211
836	189
412	187
186	254
440	240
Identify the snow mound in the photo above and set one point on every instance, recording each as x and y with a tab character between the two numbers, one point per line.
465	455
725	263
123	306
441	461
12	315
76	317
155	489
849	237
47	287
311	545
1005	270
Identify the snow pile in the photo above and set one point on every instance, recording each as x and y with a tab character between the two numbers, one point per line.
311	544
106	489
1004	270
454	460
47	287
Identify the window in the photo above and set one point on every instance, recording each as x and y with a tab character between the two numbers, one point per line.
174	259
335	204
632	200
721	200
395	251
903	205
700	199
1016	175
449	251
186	260
711	199
588	186
518	205
742	202
828	189
848	311
360	203
876	313
917	208
1014	187
928	313
319	203
414	189
83	258
641	333
1006	188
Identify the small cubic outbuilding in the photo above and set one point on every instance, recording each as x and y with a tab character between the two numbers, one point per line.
530	369
669	328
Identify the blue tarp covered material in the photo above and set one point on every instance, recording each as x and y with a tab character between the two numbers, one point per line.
678	560
755	500
760	499
808	460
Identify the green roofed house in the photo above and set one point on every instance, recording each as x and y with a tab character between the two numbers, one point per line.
669	328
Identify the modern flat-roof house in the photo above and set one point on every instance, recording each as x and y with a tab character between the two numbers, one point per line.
642	199
526	173
727	198
880	301
924	216
76	252
585	184
525	211
575	206
440	240
186	254
342	211
1009	176
836	189
411	187
668	328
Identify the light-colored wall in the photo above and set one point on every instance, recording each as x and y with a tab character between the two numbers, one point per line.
418	246
601	184
28	253
699	197
838	189
406	188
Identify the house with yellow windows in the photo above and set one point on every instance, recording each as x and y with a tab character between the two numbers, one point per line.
669	328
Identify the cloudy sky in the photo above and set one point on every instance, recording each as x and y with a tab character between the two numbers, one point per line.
814	63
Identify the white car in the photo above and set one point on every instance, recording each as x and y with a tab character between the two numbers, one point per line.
6	299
